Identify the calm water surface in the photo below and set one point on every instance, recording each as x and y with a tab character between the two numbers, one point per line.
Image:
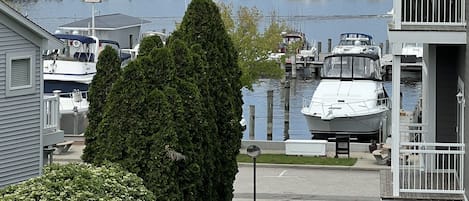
300	91
319	19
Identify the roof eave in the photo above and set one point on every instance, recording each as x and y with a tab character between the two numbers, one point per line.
52	42
99	28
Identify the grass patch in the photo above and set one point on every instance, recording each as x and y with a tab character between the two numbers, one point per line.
304	160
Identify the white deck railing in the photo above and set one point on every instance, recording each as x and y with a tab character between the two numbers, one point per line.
431	12
51	113
429	167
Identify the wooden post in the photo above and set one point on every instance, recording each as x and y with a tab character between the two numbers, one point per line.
286	118
252	119
329	45
270	113
282	66
293	66
319	47
387	47
381	45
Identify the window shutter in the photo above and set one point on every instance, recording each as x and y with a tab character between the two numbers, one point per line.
20	72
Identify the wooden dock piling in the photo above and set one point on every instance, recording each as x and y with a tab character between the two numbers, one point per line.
252	121
270	113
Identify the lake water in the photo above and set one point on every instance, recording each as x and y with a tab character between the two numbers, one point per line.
318	19
300	91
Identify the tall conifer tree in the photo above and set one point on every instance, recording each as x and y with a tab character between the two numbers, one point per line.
108	70
203	25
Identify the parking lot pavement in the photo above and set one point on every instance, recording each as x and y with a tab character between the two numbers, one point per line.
292	183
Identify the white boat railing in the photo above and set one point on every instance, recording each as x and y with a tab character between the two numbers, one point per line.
429	167
431	12
356	107
51	113
76	95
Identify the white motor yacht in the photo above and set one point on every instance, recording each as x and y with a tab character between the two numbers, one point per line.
68	73
350	98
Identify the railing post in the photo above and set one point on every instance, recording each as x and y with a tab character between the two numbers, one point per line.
56	109
397	13
463	11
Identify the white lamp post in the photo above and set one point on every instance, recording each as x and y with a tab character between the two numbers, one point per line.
93	33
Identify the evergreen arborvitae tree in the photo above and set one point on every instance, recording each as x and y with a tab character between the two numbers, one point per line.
148	44
108	70
138	128
195	125
203	25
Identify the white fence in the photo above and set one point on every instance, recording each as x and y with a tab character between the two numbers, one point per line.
429	167
432	12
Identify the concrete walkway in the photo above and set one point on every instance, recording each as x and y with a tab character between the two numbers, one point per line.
365	160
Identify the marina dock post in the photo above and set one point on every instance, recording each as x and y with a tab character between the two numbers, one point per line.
319	50
293	66
329	45
270	113
386	50
252	121
286	117
282	66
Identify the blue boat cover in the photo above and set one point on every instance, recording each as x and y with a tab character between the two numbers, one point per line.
82	39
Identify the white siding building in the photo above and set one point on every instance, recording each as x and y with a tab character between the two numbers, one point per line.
429	158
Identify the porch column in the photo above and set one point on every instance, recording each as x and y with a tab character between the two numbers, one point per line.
429	92
396	102
397	14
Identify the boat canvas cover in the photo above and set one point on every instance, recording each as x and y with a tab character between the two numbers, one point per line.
82	39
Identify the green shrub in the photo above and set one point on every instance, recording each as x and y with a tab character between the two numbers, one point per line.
79	182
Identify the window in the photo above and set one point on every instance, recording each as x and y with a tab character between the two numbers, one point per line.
20	76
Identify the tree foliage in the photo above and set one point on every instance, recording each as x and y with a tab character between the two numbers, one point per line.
148	44
108	70
138	126
80	182
153	110
252	45
203	27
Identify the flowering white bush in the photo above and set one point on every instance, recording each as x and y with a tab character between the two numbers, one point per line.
79	182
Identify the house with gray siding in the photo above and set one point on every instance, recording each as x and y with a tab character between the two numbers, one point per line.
118	27
429	158
26	118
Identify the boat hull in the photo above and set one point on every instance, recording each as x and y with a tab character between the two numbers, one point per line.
358	125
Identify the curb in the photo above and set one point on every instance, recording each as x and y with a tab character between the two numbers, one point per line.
325	167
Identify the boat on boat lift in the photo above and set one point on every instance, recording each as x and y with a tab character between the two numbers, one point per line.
350	98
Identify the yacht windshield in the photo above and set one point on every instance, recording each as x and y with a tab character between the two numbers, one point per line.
351	67
349	42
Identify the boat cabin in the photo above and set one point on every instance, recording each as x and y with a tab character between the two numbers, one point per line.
289	38
351	67
348	39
